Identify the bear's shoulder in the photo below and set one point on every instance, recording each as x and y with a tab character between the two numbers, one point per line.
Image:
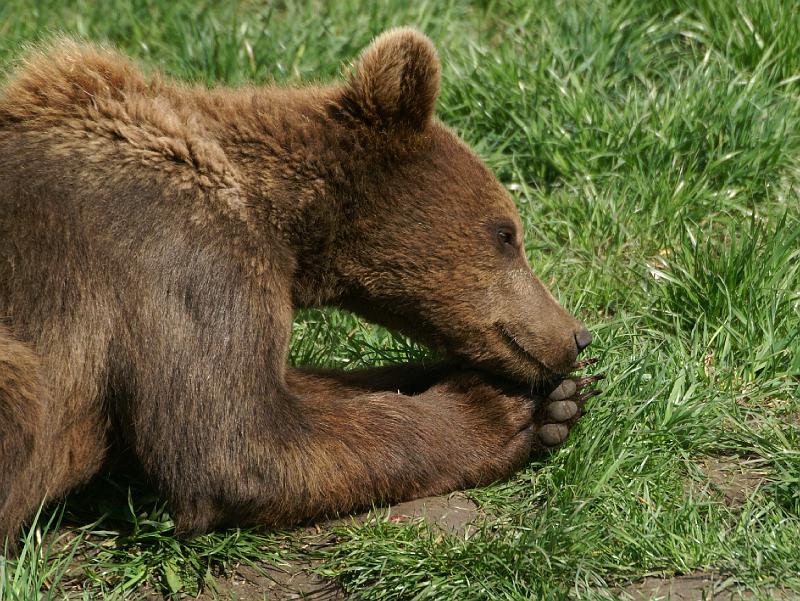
81	96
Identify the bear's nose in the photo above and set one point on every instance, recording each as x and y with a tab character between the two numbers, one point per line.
583	339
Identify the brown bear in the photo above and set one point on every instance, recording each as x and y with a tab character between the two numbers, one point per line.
155	238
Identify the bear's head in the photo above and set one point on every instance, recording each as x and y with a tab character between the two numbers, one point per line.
434	244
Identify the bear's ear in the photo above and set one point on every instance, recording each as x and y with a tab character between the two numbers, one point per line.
395	81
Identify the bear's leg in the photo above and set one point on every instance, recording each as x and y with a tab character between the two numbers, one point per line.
408	378
557	408
45	449
21	399
326	450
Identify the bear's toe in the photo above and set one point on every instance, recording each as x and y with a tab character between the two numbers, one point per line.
565	390
562	411
552	435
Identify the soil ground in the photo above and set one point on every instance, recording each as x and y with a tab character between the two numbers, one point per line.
735	480
454	514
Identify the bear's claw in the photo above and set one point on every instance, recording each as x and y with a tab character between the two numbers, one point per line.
584	363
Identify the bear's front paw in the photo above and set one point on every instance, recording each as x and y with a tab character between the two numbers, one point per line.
559	411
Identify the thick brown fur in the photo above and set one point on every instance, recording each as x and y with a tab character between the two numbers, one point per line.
156	237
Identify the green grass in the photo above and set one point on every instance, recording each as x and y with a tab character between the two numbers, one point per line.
653	150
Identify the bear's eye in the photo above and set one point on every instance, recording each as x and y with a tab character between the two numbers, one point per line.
505	236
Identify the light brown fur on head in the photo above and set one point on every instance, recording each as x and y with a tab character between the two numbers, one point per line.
423	255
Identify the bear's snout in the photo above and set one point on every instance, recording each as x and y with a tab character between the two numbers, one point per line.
583	338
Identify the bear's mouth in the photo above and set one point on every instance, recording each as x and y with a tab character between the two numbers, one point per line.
520	350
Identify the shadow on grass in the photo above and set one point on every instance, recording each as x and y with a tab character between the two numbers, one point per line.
116	535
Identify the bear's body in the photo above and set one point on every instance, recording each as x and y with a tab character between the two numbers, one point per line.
155	239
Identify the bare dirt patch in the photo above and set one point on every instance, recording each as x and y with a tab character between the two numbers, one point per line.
292	580
735	479
698	586
453	514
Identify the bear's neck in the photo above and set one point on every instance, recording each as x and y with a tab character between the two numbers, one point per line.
299	170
